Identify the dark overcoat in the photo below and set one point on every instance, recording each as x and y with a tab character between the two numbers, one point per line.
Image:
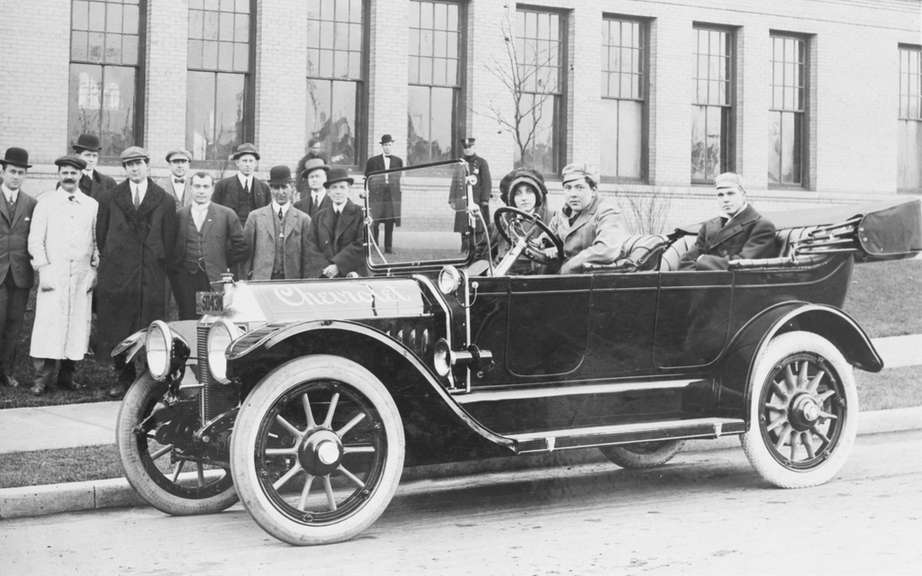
746	235
228	192
480	169
306	204
343	246
97	185
384	198
135	247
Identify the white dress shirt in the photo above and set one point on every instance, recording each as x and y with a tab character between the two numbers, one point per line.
10	195
246	182
199	212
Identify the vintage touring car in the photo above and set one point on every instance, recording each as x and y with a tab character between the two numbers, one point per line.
307	398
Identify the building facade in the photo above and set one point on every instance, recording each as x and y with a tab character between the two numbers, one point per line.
811	100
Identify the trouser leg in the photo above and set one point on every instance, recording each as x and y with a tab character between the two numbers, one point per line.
15	311
375	231
388	235
45	369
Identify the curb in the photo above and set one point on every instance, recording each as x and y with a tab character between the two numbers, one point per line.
47	499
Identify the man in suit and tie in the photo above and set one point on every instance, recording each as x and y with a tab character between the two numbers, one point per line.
243	192
337	233
92	183
135	232
384	192
739	232
16	277
315	196
277	234
209	239
178	184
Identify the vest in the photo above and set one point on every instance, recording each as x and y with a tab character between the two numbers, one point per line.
195	249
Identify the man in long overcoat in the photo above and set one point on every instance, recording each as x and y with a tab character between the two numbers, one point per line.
135	231
62	243
16	275
384	194
337	234
482	184
93	183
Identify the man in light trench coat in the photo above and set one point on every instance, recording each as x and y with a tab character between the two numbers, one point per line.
62	244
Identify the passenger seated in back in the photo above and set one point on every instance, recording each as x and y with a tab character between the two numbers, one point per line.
740	232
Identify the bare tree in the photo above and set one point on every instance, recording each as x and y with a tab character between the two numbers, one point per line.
648	213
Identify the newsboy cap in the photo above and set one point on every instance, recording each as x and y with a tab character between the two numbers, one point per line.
729	180
244	149
179	152
134	153
578	170
71	160
87	142
279	175
16	156
314	164
337	175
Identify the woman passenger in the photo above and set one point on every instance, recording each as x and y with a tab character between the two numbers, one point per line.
525	190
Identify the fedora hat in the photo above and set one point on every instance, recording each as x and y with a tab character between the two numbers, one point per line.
71	160
133	153
16	157
337	175
244	149
279	175
87	142
386	139
314	164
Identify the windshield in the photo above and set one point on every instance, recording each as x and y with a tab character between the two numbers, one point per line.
417	215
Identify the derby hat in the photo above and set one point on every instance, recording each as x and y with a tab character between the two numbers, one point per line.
134	153
279	176
386	139
314	164
179	152
244	149
71	160
87	142
337	175
16	157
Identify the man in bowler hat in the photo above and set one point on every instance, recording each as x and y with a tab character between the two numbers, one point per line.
242	192
92	182
277	234
135	231
337	233
384	192
16	277
179	183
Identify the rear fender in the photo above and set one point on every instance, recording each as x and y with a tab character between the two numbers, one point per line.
438	429
739	361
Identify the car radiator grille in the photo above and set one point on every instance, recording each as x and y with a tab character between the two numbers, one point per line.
206	410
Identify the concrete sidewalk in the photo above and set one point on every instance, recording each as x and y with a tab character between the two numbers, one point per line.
91	424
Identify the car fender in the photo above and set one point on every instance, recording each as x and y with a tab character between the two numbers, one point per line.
750	341
431	416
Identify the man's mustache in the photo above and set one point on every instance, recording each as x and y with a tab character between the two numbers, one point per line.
68	180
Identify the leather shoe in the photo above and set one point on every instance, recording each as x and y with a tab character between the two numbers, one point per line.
10	381
116	391
71	384
37	389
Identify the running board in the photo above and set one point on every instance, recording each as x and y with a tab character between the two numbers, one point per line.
551	440
480	396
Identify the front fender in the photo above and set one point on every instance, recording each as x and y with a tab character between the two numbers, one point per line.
741	357
437	427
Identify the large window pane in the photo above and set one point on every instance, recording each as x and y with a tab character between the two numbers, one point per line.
787	136
429	125
712	108
623	98
199	116
909	125
331	113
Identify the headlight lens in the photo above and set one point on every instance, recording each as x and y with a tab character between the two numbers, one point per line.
449	280
441	359
221	334
158	347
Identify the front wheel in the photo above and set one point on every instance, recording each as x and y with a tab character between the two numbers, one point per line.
803	411
150	435
317	450
643	454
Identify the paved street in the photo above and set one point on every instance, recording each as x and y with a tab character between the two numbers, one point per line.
707	513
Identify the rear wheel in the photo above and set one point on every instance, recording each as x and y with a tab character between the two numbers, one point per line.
317	450
643	454
803	411
148	430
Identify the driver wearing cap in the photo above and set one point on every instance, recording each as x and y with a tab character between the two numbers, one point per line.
591	229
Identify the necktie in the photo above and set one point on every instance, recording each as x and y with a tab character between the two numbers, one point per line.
70	197
136	196
246	187
281	214
335	219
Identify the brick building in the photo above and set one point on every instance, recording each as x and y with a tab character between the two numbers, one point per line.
812	101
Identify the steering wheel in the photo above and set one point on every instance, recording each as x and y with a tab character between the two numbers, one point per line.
516	225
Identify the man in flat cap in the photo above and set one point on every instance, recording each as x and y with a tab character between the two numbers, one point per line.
314	197
92	182
209	240
178	184
591	229
384	192
478	174
338	232
242	192
135	231
277	234
739	231
16	276
62	244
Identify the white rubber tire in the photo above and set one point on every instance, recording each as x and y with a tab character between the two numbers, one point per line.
256	407
765	457
643	454
161	492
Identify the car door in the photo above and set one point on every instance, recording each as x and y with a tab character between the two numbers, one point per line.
692	317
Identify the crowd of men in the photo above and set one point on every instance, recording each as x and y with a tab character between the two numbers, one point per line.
120	250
